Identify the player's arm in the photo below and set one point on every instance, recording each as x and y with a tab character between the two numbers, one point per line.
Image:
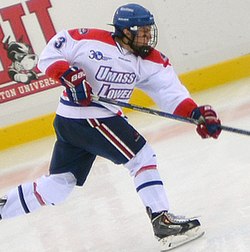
55	62
208	121
74	80
164	86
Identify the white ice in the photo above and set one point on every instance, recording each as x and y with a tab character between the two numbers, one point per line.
206	178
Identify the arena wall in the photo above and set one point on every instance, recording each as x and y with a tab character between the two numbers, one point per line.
208	43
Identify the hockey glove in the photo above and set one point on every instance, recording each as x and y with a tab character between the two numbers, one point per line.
208	122
77	88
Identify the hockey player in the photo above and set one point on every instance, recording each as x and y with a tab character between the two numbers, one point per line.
99	62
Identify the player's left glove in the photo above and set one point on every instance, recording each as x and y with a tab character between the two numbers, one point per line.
77	88
208	122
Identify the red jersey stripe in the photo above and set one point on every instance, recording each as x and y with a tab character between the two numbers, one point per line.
158	57
93	34
185	108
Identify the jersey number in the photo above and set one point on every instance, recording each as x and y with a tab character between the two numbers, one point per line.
58	43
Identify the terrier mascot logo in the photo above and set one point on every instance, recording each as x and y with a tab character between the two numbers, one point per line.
23	61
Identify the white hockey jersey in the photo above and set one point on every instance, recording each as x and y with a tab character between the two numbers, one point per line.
112	71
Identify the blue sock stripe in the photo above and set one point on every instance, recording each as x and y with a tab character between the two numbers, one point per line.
25	207
151	183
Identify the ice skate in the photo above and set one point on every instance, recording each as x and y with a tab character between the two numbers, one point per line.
2	203
173	231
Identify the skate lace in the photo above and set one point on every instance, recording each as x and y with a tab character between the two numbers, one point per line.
176	219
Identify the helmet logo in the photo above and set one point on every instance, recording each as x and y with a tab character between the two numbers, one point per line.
126	9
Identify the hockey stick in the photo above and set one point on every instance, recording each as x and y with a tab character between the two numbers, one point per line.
163	114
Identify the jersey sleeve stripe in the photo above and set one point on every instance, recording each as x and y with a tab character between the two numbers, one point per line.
185	108
57	69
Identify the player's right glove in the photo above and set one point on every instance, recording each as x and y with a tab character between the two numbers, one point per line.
208	122
77	88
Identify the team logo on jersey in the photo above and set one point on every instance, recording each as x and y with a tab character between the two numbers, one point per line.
106	74
97	55
83	31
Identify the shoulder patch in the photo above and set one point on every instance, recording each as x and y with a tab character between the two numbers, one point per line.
83	30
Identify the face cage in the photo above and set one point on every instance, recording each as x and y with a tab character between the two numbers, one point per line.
143	48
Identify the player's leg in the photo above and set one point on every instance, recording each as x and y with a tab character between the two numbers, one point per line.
70	158
66	171
170	230
121	143
69	166
30	196
136	154
147	180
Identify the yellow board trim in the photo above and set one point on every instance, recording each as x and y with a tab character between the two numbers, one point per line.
196	80
26	131
217	74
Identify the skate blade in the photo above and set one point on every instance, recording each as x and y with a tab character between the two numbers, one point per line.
175	241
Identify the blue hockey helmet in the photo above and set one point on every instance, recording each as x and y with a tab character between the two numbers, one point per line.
132	16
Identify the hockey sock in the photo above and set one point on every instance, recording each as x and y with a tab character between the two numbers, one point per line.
143	167
28	197
150	188
21	200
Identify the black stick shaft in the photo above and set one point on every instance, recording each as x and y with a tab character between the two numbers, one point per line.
164	114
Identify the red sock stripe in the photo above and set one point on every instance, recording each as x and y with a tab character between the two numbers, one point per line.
112	138
146	168
38	196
